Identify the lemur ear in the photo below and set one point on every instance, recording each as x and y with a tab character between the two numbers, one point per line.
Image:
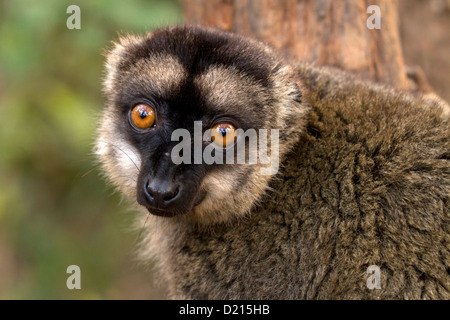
115	55
291	87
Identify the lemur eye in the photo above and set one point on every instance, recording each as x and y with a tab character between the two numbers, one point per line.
142	116
223	134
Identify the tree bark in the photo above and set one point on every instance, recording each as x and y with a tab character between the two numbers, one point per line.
326	32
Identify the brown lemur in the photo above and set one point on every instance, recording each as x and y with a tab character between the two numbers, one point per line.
363	179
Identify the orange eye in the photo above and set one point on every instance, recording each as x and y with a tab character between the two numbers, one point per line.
223	134
142	116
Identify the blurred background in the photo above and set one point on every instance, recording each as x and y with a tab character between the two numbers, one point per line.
55	209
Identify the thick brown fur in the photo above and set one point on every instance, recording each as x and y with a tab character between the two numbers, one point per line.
367	182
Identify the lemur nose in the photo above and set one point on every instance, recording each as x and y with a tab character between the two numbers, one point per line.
161	194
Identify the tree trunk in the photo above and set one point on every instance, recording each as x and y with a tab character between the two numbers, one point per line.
326	32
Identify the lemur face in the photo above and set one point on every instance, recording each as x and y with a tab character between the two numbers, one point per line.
210	84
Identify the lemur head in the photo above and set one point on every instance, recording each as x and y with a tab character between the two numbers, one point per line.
206	89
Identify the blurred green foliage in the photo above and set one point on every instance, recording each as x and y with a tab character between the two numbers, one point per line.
55	210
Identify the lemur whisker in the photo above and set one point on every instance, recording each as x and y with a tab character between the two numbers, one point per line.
128	156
